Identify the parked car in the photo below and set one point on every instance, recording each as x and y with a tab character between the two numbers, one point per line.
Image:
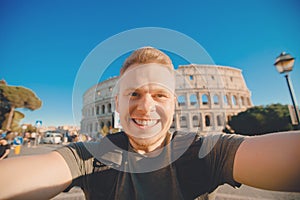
52	138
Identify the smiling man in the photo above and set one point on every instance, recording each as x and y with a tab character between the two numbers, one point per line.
146	103
146	160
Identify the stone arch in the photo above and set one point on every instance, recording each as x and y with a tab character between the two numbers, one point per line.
207	120
103	109
109	108
183	122
225	100
234	100
196	121
193	100
216	99
219	120
205	99
181	100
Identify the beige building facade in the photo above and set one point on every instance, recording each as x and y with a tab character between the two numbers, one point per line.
207	96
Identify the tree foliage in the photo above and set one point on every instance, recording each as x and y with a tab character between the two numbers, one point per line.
261	120
17	116
12	97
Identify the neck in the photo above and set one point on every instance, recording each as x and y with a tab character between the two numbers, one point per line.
143	146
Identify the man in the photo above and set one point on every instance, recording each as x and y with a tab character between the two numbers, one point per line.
146	161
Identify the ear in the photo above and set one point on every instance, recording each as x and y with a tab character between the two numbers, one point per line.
117	103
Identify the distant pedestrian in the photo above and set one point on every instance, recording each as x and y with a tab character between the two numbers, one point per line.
33	138
4	148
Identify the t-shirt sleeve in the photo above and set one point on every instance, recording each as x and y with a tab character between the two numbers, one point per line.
219	151
77	158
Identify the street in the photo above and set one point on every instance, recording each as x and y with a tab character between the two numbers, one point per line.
224	192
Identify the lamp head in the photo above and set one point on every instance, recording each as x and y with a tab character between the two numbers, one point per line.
284	63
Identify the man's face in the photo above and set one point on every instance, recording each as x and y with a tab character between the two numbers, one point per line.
146	101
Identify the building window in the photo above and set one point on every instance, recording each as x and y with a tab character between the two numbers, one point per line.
103	109
193	100
183	122
91	128
242	101
207	120
181	100
196	122
225	100
109	108
98	110
216	99
234	101
204	99
219	120
191	77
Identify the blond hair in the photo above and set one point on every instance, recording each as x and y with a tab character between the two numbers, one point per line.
146	55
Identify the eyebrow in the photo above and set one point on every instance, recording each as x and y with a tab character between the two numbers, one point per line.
155	89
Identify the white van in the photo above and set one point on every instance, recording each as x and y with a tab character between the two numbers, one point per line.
52	138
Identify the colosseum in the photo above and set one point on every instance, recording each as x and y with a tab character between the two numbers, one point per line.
207	97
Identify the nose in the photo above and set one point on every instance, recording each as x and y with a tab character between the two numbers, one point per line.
146	104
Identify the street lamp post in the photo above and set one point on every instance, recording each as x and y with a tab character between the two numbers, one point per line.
284	64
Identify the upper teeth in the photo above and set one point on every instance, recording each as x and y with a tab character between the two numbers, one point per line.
145	122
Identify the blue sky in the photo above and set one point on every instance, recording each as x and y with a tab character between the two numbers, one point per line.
44	43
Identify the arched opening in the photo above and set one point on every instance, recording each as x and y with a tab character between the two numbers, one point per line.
193	100
103	109
204	99
196	122
183	122
109	108
216	99
225	100
219	120
181	100
207	120
234	101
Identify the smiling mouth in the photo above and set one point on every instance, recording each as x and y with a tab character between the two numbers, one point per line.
145	122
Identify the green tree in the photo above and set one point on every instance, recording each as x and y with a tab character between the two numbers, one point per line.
12	97
261	120
104	130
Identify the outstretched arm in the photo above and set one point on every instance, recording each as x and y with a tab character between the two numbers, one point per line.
270	162
34	177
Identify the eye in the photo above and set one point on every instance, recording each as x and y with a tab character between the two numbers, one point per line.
134	94
161	95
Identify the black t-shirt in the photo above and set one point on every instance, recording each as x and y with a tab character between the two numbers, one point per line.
190	166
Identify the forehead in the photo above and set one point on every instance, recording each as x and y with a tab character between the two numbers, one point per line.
148	75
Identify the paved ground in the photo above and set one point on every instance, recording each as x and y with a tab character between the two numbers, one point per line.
224	192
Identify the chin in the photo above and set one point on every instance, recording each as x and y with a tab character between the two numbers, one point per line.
145	142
